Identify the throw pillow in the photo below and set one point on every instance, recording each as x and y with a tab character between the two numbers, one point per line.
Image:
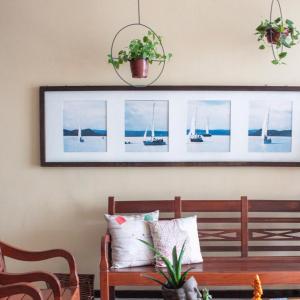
169	233
125	230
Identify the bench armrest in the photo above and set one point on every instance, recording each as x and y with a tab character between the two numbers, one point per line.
51	280
105	255
19	254
20	288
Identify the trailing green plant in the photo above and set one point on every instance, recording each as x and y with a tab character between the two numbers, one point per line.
282	33
145	48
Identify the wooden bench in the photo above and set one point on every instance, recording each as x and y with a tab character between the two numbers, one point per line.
236	237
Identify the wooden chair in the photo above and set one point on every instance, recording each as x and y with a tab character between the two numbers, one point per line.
17	284
22	289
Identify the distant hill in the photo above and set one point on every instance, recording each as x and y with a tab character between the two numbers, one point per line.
137	133
85	132
271	132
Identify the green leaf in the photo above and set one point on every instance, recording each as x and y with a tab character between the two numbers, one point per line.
183	276
275	62
153	279
261	47
169	280
282	55
278	20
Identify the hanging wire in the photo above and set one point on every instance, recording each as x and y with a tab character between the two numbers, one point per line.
139	12
271	17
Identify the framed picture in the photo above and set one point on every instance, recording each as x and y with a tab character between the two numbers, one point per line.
170	126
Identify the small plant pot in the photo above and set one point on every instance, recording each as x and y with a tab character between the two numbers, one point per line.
189	291
273	36
139	68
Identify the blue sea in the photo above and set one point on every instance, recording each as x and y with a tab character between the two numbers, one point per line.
215	143
279	144
90	144
136	145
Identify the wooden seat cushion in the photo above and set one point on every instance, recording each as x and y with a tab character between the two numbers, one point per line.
67	293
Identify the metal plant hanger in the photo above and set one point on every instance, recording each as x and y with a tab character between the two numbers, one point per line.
156	36
275	54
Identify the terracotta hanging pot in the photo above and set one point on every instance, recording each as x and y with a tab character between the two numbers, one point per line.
273	35
139	68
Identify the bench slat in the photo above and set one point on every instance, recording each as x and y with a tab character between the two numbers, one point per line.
274	205
142	207
211	206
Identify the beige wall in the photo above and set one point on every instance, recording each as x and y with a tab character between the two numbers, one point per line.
65	42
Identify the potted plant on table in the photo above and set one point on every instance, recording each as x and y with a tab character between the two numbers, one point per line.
280	34
140	53
176	285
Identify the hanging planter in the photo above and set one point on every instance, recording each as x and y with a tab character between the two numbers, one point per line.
280	34
140	53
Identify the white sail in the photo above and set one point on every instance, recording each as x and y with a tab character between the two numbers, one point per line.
207	126
153	128
193	123
265	127
145	134
79	132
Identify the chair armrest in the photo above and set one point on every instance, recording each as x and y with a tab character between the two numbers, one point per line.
51	280
104	261
19	254
20	288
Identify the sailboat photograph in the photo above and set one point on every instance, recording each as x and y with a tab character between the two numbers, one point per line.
84	126
270	128
208	126
146	126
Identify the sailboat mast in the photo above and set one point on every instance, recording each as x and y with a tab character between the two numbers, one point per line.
153	129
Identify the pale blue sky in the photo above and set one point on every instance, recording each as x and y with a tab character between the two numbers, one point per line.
138	115
216	111
280	114
90	114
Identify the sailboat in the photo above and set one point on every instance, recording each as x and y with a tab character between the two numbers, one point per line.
153	141
207	134
193	136
264	132
81	139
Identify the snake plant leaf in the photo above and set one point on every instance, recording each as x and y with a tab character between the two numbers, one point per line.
153	279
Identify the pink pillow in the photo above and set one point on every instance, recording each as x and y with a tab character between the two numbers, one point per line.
169	233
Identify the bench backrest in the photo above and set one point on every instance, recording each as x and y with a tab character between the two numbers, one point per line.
231	227
273	226
219	231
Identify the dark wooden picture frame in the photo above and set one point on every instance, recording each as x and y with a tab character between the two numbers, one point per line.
43	134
